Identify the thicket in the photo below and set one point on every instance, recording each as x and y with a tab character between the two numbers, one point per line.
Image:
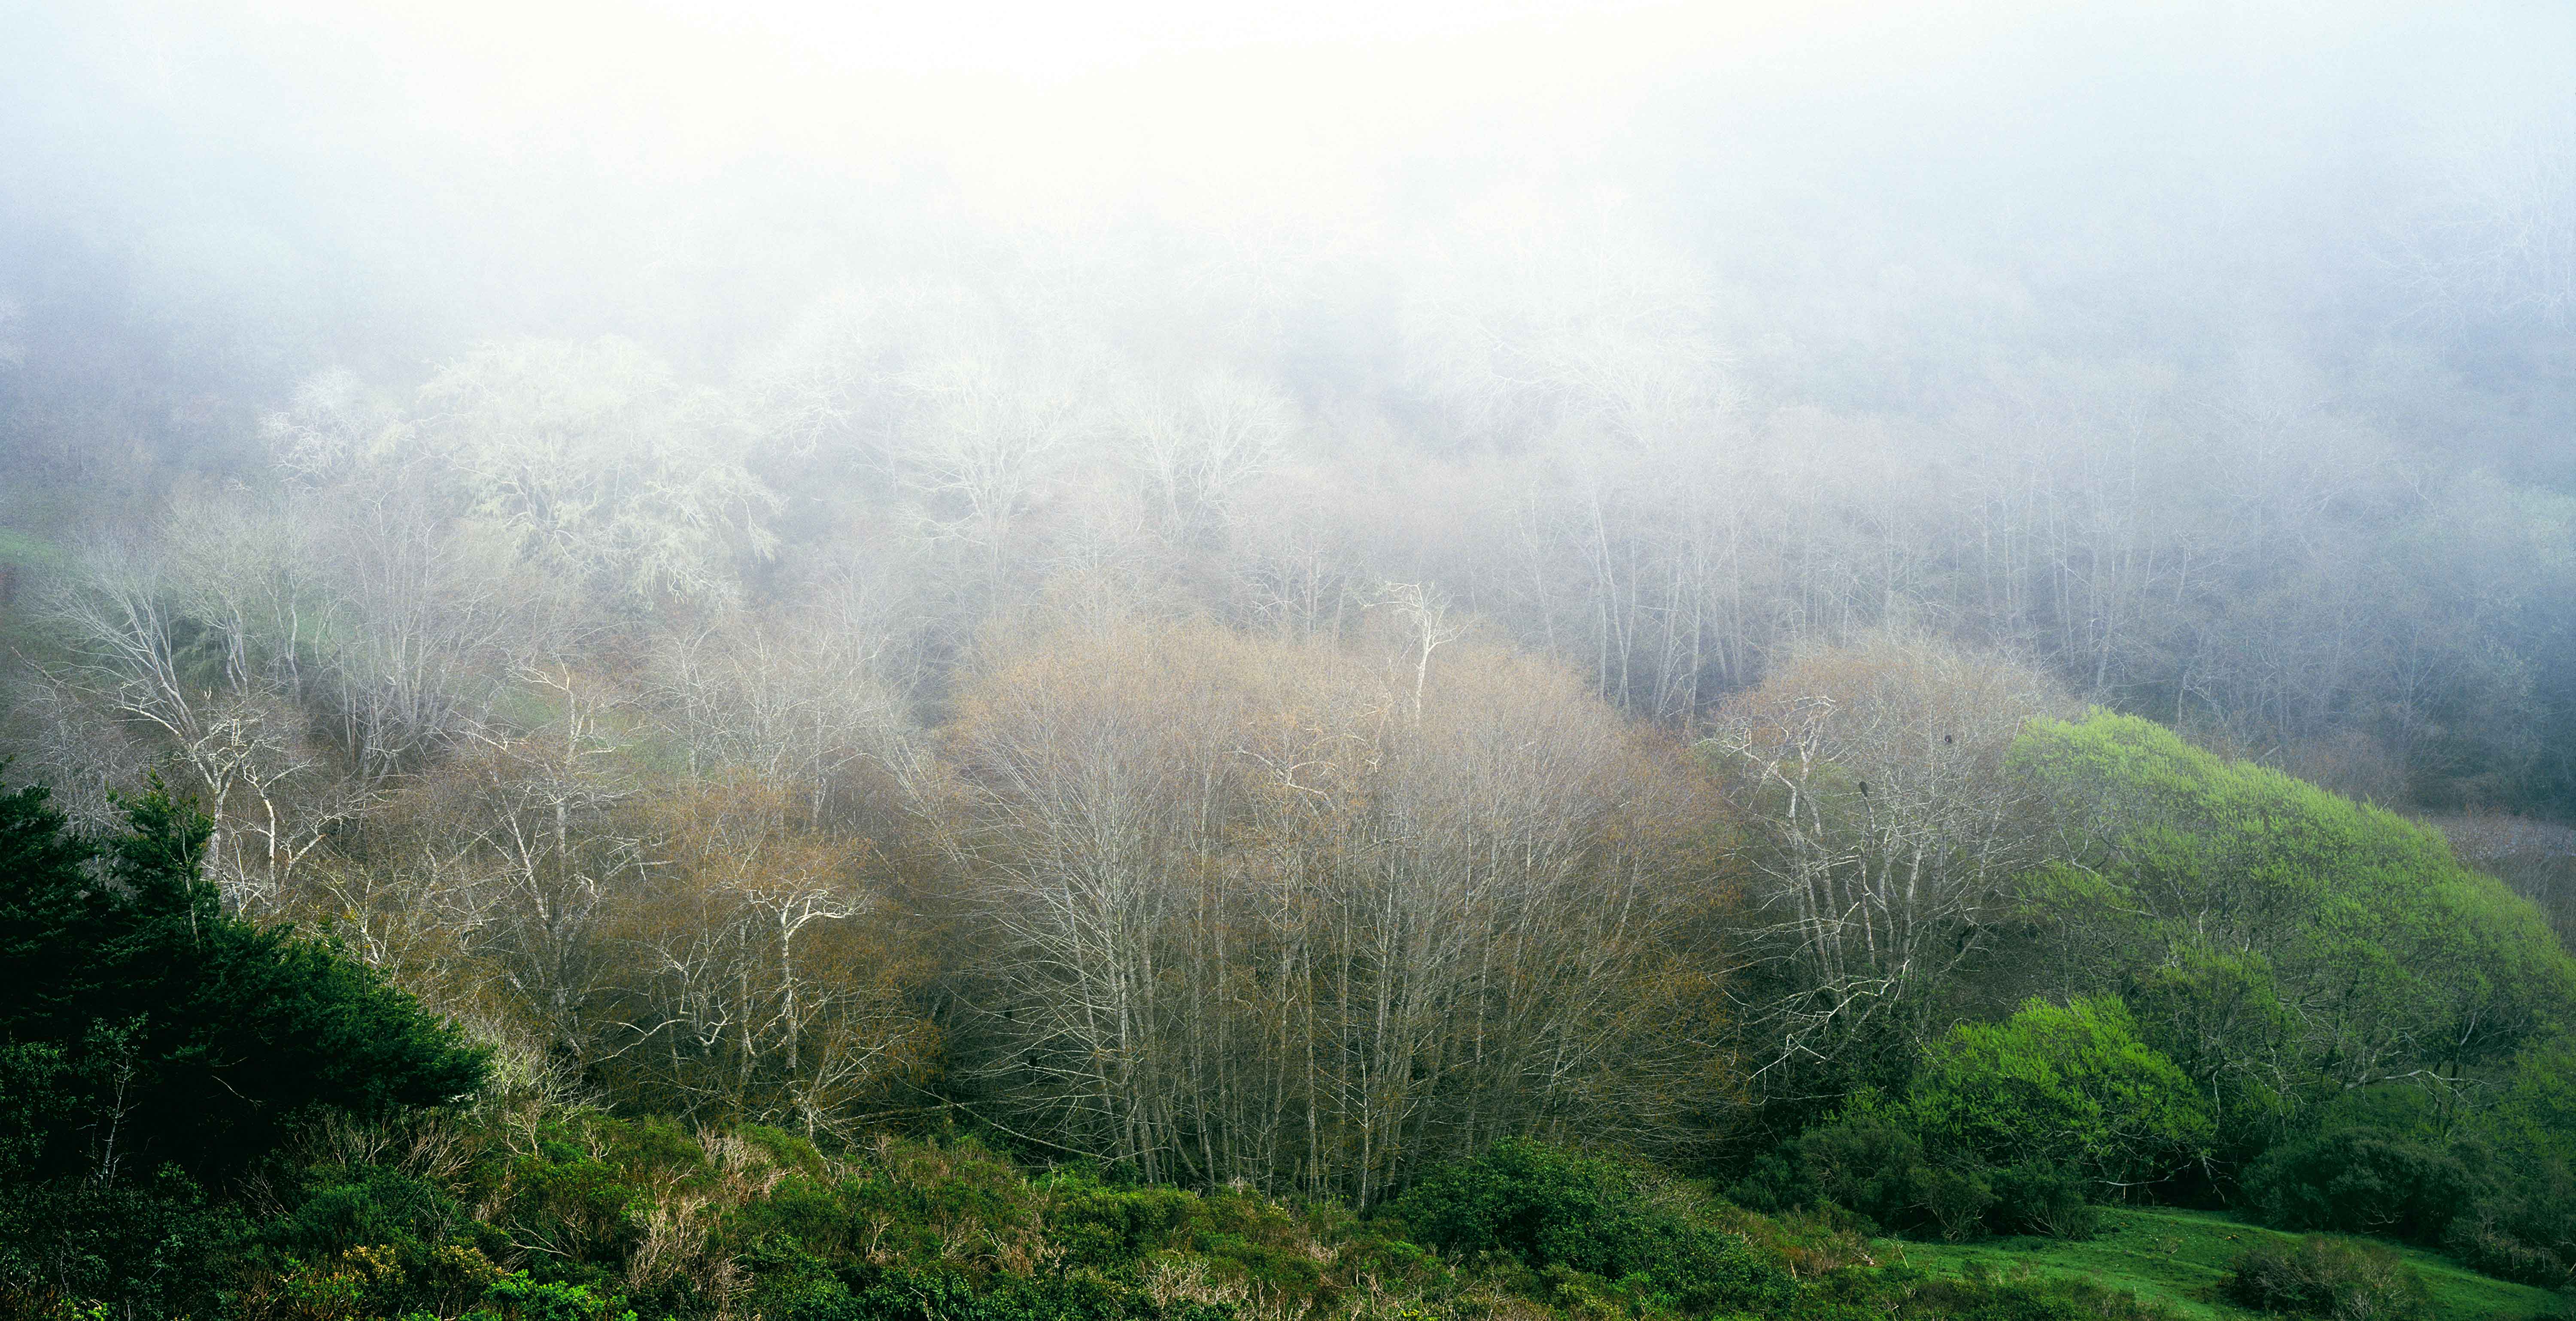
1908	942
1408	715
2264	996
154	1048
392	1175
2321	1277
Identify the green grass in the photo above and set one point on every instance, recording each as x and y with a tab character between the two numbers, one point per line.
2177	1257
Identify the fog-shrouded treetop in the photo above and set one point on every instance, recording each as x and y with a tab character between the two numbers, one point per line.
1307	602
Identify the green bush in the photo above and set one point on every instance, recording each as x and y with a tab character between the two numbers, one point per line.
2362	1181
2528	1235
384	1241
142	1248
2071	1086
1958	1202
2325	1278
1107	1228
2007	1129
210	1038
936	1295
1546	1207
2038	1198
515	1297
343	1209
1860	1161
575	1213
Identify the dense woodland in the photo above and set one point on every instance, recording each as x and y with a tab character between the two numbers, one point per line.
1601	744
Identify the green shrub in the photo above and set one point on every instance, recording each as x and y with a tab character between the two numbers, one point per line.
389	1242
1866	1163
2037	1198
936	1295
1538	1203
515	1297
343	1209
574	1212
1107	1228
1860	1161
2325	1278
1958	1202
2362	1181
2068	1085
133	1249
2528	1235
1546	1207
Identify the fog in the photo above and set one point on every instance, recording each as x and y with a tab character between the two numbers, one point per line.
1267	600
2181	321
2034	179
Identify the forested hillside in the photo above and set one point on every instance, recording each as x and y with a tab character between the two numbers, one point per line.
1793	656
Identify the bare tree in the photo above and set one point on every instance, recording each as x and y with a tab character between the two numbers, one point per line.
1195	448
977	445
595	463
1890	839
1247	915
762	994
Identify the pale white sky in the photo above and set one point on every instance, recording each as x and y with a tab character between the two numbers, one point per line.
1180	105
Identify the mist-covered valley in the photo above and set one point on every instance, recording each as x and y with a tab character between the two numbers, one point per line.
1950	624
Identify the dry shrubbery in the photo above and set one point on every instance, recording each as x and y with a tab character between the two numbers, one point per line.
1247	911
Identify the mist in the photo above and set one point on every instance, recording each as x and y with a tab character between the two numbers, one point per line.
1271	601
2037	180
2181	319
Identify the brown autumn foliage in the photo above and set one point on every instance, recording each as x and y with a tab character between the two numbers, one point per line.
1244	912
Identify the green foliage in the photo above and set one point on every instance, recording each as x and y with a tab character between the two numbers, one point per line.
2526	1232
2524	1225
344	1209
1548	1209
179	1033
149	1247
1863	1161
2069	1086
2220	1018
1103	1227
2402	962
2325	1278
2034	1197
573	1208
2365	1180
45	911
2534	1122
1866	1162
2301	959
1958	1201
2013	1128
515	1297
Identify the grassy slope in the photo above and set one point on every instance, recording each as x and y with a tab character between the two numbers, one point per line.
2178	1256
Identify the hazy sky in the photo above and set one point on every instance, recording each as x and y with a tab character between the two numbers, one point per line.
1189	105
487	167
